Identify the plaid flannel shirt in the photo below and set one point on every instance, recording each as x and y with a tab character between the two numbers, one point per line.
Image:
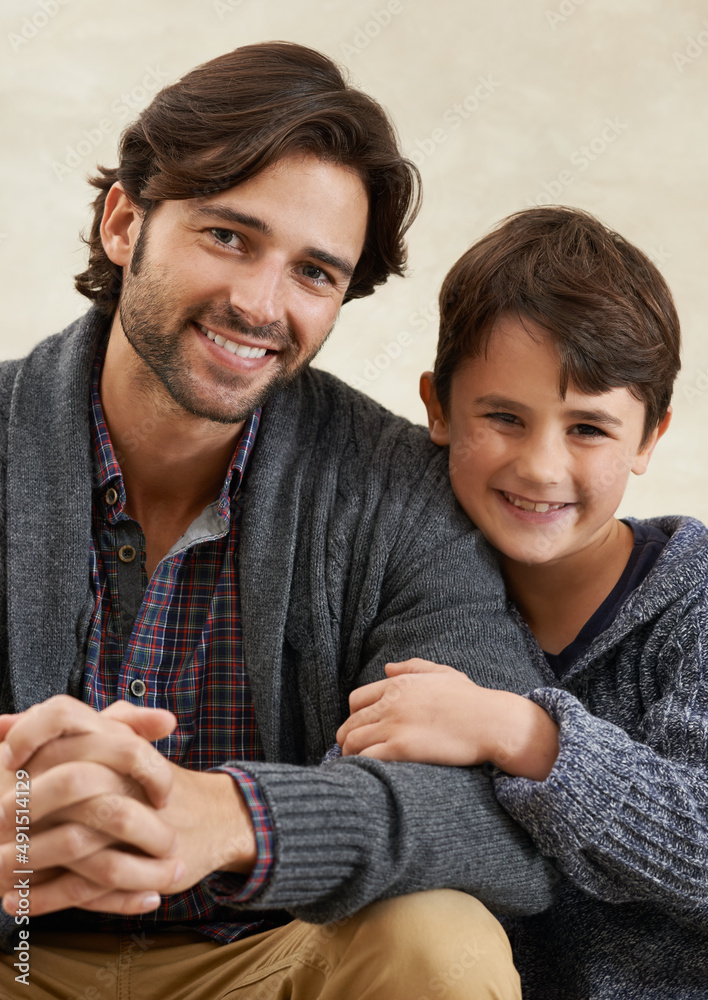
175	642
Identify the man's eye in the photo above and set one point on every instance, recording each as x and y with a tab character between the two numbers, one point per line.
314	273
224	236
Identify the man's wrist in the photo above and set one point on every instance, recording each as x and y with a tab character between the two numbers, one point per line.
255	862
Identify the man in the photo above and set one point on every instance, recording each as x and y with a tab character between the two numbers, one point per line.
196	521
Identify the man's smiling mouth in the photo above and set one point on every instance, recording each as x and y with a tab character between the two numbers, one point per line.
539	506
241	350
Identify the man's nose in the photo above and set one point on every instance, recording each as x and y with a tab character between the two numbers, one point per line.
257	294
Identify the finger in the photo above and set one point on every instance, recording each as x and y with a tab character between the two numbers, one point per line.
66	716
57	848
124	819
150	723
125	903
364	717
63	786
72	890
366	695
59	716
7	722
123	871
416	666
124	752
82	831
380	751
360	738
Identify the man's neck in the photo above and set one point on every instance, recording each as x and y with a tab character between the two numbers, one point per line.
556	600
173	463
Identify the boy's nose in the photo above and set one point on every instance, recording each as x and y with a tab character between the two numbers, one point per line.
541	462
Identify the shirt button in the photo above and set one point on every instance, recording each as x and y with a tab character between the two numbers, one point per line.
126	553
137	688
111	497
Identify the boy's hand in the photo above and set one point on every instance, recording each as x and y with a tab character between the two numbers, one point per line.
432	714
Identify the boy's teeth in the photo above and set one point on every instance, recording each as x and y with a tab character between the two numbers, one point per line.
239	349
540	508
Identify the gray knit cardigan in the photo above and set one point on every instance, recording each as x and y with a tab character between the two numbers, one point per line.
352	552
624	812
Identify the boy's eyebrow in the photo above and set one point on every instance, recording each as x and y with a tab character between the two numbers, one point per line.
596	417
227	214
586	416
501	403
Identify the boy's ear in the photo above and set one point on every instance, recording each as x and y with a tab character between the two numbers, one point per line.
120	225
641	461
437	422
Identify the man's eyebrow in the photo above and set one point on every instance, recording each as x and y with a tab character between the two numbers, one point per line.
227	214
224	213
345	267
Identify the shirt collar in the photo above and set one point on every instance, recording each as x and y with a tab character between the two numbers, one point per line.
107	475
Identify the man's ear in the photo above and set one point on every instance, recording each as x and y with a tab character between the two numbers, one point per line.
120	225
641	461
437	422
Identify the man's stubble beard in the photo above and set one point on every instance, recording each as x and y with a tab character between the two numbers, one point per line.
148	324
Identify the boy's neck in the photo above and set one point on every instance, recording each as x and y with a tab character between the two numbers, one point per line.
557	599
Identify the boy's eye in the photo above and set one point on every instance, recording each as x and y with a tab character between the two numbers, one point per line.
587	430
502	418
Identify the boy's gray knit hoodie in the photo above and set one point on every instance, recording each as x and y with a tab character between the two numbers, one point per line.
624	812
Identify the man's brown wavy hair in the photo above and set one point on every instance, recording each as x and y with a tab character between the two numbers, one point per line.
606	307
228	119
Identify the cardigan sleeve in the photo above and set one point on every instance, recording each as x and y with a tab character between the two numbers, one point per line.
627	820
355	830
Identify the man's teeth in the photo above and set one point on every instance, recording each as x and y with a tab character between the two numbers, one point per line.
239	349
540	508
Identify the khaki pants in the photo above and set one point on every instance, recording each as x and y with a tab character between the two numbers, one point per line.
439	945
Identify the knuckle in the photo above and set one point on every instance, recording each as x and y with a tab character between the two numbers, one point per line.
75	839
112	873
77	889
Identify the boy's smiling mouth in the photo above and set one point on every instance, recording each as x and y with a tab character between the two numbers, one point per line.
539	506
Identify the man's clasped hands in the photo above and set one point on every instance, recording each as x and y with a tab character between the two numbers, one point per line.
113	823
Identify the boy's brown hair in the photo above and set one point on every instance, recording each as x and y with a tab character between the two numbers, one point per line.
604	304
232	117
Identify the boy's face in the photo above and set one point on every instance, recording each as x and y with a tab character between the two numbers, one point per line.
539	475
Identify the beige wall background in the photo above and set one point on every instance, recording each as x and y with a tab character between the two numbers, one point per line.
502	103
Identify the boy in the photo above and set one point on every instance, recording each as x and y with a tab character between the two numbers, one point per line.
558	349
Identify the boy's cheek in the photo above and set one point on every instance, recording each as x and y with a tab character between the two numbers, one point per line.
469	446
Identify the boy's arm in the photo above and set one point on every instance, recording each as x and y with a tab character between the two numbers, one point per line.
432	714
628	820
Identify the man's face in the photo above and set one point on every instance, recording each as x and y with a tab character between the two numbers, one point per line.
230	296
